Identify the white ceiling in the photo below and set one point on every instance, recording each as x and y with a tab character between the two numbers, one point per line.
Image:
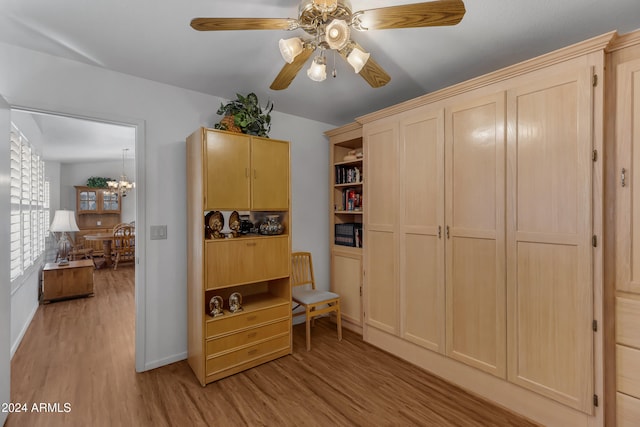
152	39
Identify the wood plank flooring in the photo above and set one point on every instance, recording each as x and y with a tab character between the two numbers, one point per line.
81	352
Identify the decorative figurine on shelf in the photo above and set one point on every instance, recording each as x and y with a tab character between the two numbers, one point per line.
271	225
216	222
235	302
351	155
215	306
234	223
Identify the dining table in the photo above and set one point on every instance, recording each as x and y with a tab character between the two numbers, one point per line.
107	239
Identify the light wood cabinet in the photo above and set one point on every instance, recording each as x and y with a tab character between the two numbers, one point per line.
483	225
67	281
346	178
228	171
97	201
246	172
98	210
624	190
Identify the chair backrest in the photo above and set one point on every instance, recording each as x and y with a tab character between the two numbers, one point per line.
302	269
124	237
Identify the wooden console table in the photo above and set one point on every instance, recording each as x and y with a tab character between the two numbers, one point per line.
67	281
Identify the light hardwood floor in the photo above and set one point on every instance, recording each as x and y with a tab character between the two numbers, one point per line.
81	352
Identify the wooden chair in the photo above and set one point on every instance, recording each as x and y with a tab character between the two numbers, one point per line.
315	302
124	244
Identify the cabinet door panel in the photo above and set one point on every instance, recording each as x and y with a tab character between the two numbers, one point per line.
227	171
475	245
347	281
382	294
628	197
422	292
549	266
270	175
245	260
475	323
421	219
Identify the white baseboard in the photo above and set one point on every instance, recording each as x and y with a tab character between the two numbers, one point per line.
165	361
16	344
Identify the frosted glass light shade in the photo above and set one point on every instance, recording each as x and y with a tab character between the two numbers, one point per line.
318	70
337	34
290	48
64	221
357	59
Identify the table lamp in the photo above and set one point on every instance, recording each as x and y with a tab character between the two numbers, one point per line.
63	222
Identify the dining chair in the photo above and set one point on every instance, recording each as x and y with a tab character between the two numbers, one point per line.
304	293
124	246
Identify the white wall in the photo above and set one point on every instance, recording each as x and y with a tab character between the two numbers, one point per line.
169	114
5	283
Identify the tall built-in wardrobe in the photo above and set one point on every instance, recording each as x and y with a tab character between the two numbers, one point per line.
498	234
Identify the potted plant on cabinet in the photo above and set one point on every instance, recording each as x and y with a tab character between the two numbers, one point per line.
245	115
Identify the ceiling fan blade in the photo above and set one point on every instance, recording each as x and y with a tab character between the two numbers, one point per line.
290	71
373	73
225	24
430	14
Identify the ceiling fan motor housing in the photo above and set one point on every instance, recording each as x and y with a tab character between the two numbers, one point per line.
313	20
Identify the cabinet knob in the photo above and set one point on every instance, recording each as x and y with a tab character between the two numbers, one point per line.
623	177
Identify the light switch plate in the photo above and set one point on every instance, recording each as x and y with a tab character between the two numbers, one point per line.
158	232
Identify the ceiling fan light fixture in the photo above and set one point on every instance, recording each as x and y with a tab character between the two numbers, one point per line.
357	59
337	34
325	6
290	48
318	70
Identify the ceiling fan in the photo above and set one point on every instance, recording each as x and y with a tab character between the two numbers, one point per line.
329	24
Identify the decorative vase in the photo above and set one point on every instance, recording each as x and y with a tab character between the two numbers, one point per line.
229	124
271	225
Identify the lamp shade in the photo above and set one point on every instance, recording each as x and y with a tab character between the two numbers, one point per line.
337	34
64	221
318	70
357	59
290	48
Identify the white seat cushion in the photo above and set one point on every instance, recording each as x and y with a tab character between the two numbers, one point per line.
310	296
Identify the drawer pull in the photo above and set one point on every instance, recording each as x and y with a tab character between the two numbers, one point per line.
251	243
252	352
251	318
252	334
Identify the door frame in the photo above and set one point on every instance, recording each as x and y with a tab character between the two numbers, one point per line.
140	218
5	281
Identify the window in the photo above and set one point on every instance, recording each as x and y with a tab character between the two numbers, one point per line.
29	204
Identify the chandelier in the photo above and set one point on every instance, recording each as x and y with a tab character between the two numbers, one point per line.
123	185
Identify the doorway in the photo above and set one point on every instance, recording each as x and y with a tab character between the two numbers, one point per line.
75	148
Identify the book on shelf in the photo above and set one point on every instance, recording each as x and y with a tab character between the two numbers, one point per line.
351	199
348	174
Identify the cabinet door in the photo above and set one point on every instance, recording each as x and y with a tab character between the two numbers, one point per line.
240	261
227	171
110	201
421	218
475	233
381	206
549	257
346	281
270	174
627	181
87	201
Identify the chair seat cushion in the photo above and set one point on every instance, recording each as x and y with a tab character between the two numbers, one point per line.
311	296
